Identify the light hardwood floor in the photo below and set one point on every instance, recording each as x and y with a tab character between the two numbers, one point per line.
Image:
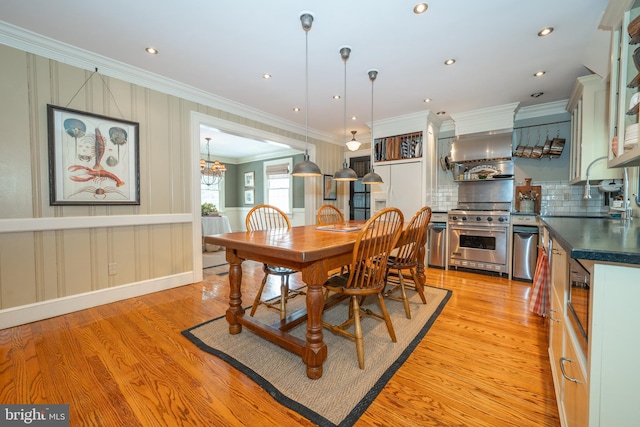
483	363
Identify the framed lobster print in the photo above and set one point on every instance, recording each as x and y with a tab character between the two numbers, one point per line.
93	159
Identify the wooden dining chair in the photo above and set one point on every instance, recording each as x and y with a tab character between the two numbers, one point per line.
267	217
329	214
366	275
405	257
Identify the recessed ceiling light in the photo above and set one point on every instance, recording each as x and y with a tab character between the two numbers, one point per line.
441	113
426	100
545	31
296	109
152	51
537	94
266	76
449	62
539	74
420	8
336	96
354	118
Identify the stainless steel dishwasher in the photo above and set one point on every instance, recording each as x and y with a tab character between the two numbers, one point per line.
437	233
525	252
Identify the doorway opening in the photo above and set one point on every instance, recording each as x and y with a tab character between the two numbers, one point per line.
359	193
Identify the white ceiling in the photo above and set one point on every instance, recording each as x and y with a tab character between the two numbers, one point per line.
224	47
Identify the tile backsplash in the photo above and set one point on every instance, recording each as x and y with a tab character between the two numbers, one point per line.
561	198
558	197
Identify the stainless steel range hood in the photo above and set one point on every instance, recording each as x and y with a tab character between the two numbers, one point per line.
482	147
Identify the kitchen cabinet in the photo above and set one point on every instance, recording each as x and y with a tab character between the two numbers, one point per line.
567	365
404	157
398	178
589	131
399	147
596	387
624	149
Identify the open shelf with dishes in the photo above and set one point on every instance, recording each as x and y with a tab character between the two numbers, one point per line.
624	103
399	147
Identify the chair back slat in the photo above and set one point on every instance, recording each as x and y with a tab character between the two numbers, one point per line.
329	214
413	237
266	217
372	248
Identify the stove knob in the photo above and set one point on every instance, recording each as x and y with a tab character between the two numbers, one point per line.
464	218
491	219
478	218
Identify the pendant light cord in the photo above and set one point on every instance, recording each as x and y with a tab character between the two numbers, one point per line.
345	109
373	141
306	90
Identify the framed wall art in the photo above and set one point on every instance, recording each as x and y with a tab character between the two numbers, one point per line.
249	178
93	159
330	188
248	196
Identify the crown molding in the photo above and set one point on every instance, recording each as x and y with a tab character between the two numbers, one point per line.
541	110
28	41
485	119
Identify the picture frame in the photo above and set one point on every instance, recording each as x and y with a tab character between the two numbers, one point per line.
93	159
249	178
330	188
248	196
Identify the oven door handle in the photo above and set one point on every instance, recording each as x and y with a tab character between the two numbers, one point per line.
484	230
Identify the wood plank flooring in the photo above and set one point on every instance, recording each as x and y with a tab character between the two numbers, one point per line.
483	363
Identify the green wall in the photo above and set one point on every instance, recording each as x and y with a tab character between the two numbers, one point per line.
234	183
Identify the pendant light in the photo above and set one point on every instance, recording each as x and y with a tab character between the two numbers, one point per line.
346	173
306	167
353	145
372	177
211	172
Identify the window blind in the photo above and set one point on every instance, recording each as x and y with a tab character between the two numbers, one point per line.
277	171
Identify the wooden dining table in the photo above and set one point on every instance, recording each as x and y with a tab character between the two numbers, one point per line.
313	252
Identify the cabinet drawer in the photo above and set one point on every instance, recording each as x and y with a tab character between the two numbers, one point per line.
575	394
559	270
531	220
438	217
556	335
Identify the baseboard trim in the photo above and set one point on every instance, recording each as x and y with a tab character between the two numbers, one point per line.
23	314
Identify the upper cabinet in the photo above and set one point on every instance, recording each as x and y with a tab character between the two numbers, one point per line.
404	156
623	18
589	131
399	147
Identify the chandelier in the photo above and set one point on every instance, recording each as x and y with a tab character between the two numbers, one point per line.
211	172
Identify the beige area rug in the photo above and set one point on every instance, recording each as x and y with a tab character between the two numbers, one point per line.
344	392
214	259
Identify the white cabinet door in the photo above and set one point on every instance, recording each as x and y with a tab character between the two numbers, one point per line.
402	188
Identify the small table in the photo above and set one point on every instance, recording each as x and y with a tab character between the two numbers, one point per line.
214	225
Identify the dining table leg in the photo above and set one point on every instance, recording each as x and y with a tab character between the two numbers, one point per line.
315	351
235	294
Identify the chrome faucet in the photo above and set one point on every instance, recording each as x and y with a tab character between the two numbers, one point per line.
587	186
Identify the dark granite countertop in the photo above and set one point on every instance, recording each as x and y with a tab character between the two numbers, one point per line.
597	239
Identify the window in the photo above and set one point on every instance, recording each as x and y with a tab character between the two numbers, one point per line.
213	193
278	187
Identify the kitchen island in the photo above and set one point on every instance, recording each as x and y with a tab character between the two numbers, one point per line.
596	383
597	239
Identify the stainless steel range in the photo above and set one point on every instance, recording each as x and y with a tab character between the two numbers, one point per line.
479	240
478	230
